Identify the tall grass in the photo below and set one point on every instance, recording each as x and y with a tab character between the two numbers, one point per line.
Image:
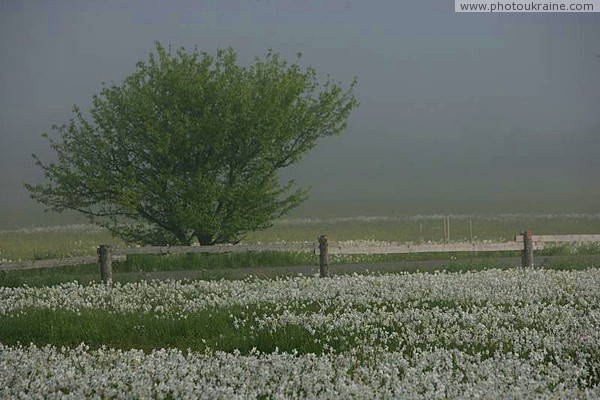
210	328
73	240
229	266
216	328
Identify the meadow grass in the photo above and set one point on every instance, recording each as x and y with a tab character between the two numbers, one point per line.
215	327
481	320
226	266
200	330
532	331
76	240
56	242
210	329
426	228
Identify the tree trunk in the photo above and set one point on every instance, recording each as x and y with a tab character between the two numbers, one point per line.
204	239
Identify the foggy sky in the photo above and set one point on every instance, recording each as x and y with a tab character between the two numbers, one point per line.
462	109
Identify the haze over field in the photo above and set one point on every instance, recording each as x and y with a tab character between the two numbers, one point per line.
459	112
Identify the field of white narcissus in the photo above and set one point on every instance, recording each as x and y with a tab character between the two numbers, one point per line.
492	334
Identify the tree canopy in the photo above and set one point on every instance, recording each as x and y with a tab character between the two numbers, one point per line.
189	146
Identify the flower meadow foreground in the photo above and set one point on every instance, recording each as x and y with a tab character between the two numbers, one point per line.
491	334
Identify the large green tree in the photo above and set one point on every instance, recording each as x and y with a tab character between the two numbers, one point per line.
189	146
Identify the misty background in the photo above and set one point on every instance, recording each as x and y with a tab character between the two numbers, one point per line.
467	113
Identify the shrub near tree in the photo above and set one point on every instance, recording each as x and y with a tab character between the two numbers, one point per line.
189	146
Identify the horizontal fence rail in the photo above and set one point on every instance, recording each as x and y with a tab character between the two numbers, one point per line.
525	242
56	262
424	248
238	248
561	238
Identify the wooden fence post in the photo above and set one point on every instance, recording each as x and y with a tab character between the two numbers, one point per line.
445	230
104	258
323	256
527	249
470	229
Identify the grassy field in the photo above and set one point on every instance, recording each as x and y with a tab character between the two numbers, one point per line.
495	333
417	229
226	266
441	331
75	240
180	315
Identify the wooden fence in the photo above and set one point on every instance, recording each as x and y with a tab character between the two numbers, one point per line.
525	242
